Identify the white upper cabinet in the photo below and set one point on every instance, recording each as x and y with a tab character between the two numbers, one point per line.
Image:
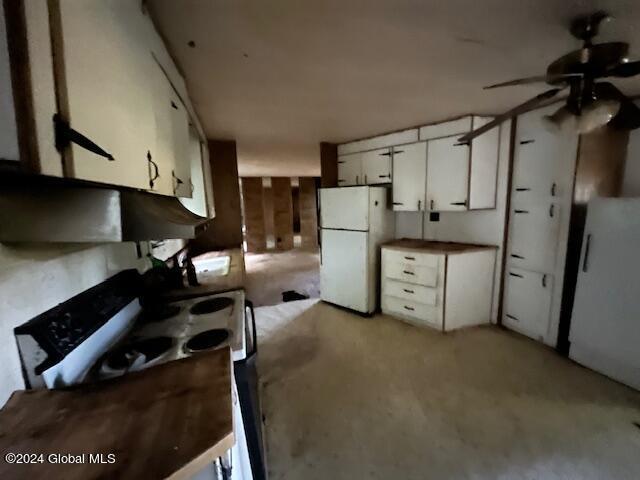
349	169
198	201
102	72
376	166
448	175
409	177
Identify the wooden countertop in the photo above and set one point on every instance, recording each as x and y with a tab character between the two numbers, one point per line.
168	421
234	280
436	247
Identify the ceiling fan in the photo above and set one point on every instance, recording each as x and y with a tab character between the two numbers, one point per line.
590	103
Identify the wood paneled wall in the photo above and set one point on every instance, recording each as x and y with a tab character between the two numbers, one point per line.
225	230
308	213
282	212
329	164
254	223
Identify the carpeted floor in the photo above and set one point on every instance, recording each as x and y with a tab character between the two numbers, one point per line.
347	397
270	274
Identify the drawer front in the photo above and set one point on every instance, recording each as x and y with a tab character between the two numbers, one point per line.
415	274
418	312
411	257
411	292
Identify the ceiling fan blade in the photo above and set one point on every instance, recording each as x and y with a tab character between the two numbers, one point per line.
628	69
523	107
628	117
551	79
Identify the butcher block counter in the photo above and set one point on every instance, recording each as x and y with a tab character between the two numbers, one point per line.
443	285
169	421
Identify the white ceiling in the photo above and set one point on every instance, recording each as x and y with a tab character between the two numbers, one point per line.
279	76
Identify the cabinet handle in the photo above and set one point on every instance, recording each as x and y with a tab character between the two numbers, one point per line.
176	182
398	203
173	105
156	173
526	142
551	210
365	178
342	161
408	272
341	180
385	154
522	189
65	136
431	204
516	275
408	291
410	258
521	211
544	280
459	203
587	249
409	308
511	317
553	189
384	176
395	152
519	257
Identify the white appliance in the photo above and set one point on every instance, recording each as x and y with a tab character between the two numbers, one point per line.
605	324
354	222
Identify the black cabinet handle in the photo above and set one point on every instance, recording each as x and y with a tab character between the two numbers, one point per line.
398	203
342	161
365	179
65	136
408	272
522	189
520	257
431	205
516	275
551	210
526	142
177	181
341	180
587	249
511	317
544	280
398	151
407	290
419	204
553	189
409	308
153	176
521	211
409	258
459	203
384	176
385	154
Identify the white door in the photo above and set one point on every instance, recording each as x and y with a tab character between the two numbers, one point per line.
344	269
349	170
447	175
376	166
543	160
533	236
409	177
528	302
606	313
345	208
103	90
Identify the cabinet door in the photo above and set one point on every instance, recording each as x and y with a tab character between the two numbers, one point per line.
198	201
376	166
181	171
543	160
349	170
102	64
409	177
528	302
447	175
533	232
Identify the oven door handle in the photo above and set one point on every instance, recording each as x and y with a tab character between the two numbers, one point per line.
254	333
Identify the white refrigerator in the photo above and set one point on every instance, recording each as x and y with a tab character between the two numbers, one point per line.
354	222
605	323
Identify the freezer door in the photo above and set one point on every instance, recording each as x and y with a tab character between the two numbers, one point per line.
344	278
345	208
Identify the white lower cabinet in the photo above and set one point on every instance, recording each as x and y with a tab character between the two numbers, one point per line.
443	286
410	177
528	302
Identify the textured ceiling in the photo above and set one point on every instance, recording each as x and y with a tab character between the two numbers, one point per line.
280	76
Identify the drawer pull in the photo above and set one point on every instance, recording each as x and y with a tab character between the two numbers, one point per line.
526	142
409	258
409	308
511	317
553	189
408	272
544	281
519	257
342	161
523	189
551	210
459	204
398	203
385	154
521	211
408	291
384	176
516	275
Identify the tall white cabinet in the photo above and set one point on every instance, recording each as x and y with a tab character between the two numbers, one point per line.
541	197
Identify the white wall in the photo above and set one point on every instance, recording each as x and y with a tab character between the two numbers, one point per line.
37	277
482	226
8	131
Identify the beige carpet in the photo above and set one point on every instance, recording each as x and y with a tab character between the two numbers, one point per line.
347	397
270	274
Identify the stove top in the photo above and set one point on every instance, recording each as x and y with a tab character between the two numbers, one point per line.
206	340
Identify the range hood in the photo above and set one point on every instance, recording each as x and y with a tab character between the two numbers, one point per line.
70	213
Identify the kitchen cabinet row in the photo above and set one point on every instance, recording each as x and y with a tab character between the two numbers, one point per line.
117	111
428	168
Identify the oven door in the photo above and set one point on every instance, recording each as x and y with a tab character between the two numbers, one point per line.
246	376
